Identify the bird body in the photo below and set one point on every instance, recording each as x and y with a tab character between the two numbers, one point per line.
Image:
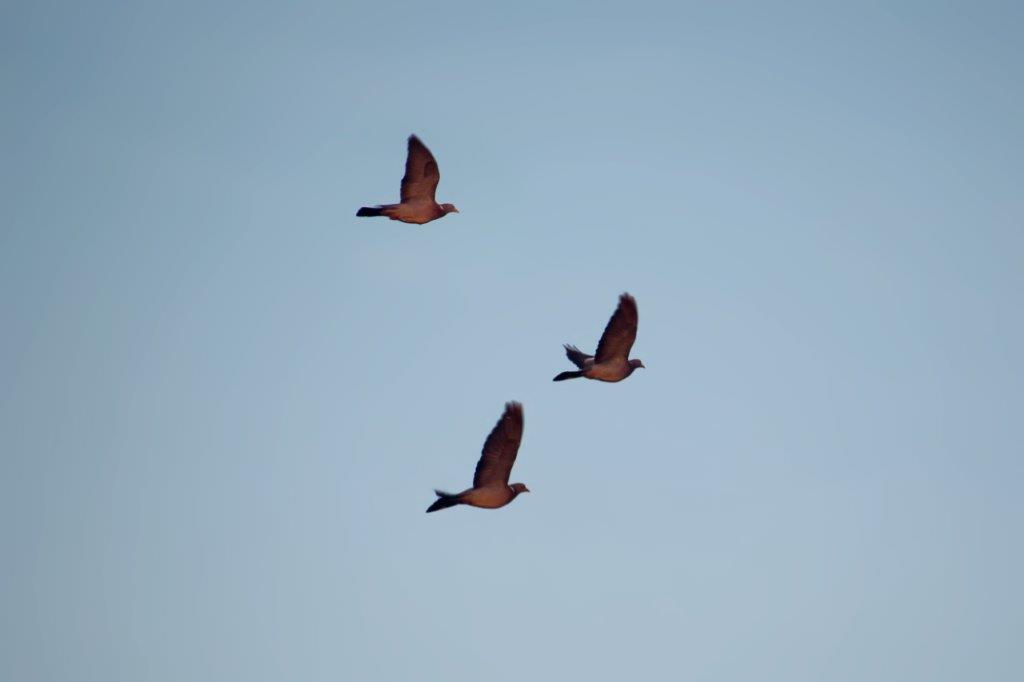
419	185
491	488
417	213
487	497
611	362
612	370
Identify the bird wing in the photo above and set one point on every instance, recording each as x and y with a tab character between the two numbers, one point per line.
620	333
421	173
500	448
576	356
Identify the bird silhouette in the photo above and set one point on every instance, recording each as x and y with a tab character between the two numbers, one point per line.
490	481
418	187
611	362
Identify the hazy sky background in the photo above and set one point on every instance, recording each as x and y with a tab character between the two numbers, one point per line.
224	400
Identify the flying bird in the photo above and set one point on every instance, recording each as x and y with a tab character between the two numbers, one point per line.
418	187
611	362
490	482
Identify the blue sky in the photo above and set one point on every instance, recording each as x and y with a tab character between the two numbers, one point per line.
226	400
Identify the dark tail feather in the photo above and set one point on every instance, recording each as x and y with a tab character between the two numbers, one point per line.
444	500
369	212
568	375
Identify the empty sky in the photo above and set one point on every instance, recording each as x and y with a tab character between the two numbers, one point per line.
224	400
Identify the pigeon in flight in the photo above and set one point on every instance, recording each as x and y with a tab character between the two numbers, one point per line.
490	482
611	362
418	187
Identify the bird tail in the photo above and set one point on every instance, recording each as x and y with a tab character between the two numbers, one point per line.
370	211
443	501
568	375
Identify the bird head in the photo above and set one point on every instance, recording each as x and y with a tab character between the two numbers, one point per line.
519	488
636	364
449	208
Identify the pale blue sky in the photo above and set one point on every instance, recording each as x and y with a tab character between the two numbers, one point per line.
225	400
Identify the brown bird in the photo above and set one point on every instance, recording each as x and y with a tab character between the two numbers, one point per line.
490	482
418	187
611	363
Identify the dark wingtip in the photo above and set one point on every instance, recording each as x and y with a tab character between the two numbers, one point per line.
514	414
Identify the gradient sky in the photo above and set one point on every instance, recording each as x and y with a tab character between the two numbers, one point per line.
225	400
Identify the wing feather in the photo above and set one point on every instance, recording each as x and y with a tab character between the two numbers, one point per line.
576	356
500	448
620	333
421	173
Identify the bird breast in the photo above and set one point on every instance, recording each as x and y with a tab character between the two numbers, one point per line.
417	212
612	370
490	497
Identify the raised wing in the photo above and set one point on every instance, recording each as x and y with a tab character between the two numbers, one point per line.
500	448
620	333
576	356
421	173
